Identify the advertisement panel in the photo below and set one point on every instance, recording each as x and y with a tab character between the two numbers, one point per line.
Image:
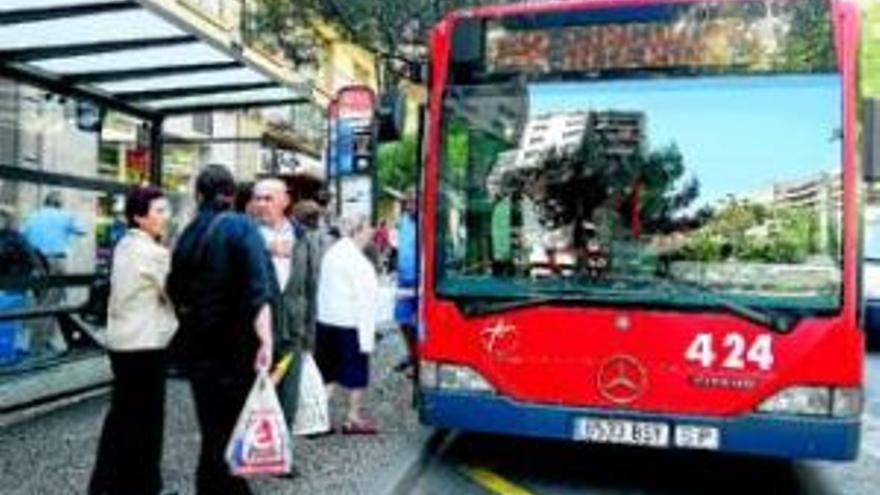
351	149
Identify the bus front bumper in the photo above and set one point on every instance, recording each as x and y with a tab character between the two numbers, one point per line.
793	437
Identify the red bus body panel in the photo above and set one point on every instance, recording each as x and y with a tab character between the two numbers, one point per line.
553	356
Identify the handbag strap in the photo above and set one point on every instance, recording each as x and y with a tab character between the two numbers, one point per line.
203	240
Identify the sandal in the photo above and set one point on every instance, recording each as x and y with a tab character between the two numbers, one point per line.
362	427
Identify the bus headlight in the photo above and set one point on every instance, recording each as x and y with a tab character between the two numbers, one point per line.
847	402
839	402
812	401
452	377
428	374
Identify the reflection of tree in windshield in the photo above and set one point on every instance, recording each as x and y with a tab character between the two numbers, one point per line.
609	187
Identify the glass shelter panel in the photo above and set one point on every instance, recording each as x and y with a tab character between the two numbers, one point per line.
63	171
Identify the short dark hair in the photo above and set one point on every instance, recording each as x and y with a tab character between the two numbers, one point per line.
243	195
308	213
138	201
215	182
322	197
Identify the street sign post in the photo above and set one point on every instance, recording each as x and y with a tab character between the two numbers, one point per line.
352	150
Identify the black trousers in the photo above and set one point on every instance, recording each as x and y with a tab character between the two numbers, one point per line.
130	450
220	396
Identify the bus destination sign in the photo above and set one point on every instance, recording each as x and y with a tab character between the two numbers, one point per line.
715	38
616	47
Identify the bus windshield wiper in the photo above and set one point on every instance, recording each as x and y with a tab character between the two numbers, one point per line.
774	321
479	306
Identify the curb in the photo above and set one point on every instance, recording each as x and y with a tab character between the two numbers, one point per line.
409	463
41	408
54	381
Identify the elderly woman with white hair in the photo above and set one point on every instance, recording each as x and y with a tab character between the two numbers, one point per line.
348	289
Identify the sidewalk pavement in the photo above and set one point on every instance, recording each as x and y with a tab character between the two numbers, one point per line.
54	453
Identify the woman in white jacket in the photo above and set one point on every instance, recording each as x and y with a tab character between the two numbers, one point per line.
348	291
140	325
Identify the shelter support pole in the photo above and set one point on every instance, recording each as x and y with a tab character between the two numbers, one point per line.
156	149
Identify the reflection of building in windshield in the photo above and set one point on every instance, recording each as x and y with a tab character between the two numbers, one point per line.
621	132
824	189
521	191
821	192
562	131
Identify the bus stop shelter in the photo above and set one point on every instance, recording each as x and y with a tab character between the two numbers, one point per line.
140	58
137	58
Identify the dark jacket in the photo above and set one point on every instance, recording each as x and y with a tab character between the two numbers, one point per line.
220	277
295	319
295	313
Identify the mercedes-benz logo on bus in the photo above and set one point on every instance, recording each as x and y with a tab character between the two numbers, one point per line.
622	379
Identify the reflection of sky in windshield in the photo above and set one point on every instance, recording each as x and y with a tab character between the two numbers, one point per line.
737	134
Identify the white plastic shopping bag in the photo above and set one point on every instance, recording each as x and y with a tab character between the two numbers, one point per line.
313	410
261	442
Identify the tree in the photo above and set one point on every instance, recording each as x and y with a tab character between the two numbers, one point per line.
748	231
658	193
808	43
386	27
593	185
398	164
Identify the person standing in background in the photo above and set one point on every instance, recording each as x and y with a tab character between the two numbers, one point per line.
222	285
18	259
382	242
140	325
50	230
406	307
348	290
269	203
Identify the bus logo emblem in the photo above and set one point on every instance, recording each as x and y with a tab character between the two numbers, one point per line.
622	379
500	339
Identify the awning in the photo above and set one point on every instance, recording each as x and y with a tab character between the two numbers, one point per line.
136	57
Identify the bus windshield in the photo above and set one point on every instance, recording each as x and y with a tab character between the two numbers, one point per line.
646	156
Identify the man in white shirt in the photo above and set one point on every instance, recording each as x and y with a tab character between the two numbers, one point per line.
347	293
296	255
271	203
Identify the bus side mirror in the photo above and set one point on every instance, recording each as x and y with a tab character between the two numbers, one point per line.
871	140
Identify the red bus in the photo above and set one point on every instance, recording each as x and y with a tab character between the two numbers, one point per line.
640	225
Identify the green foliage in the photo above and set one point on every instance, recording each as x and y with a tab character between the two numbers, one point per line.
809	42
398	164
457	148
387	26
748	231
383	26
663	191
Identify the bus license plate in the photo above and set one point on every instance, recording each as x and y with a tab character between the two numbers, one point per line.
697	437
622	432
